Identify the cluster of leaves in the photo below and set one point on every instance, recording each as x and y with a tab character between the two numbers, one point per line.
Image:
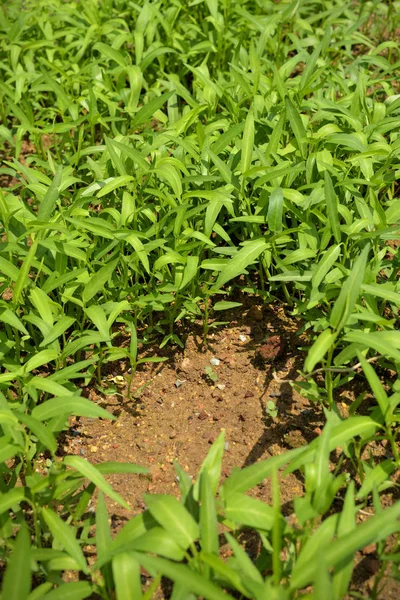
154	152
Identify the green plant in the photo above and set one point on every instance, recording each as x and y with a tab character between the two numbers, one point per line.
271	409
161	160
211	375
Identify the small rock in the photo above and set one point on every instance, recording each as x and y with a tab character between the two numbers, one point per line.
186	365
249	394
82	451
372	564
172	435
242	338
255	313
275	395
93	449
220	386
178	383
272	349
211	439
226	446
115	445
214	361
160	401
203	415
318	431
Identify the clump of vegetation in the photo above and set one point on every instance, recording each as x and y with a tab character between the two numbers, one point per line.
159	156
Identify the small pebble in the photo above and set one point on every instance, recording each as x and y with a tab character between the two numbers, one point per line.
186	365
226	446
248	394
203	415
160	401
214	361
275	395
93	449
82	451
242	338
178	383
220	386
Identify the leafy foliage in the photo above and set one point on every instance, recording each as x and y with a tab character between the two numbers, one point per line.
158	155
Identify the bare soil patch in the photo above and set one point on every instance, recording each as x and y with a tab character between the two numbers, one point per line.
180	412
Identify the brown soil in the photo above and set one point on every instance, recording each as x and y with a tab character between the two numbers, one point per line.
179	412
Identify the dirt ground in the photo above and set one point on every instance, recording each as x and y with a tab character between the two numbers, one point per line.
179	411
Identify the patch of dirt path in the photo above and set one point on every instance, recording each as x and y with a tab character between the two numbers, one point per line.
181	411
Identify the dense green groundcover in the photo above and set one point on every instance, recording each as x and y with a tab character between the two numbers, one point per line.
155	151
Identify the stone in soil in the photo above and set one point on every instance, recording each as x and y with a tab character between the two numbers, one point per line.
273	349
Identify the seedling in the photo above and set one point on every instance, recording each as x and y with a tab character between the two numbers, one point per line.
271	409
211	375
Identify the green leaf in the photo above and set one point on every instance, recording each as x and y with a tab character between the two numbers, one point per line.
349	293
174	517
213	465
376	386
275	210
242	480
192	581
247	143
69	405
375	477
225	305
40	358
10	318
343	549
242	259
66	537
8	269
325	265
157	540
245	563
48	203
332	208
97	315
18	575
386	343
43	434
249	511
319	348
98	280
11	498
147	111
111	53
208	517
116	182
76	590
109	468
103	538
297	126
90	472
126	571
57	330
